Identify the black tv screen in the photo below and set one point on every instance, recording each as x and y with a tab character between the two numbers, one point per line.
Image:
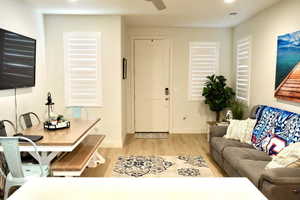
17	60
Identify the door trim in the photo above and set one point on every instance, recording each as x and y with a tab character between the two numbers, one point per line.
132	78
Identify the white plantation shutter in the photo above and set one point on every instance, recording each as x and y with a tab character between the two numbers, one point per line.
243	69
204	61
82	54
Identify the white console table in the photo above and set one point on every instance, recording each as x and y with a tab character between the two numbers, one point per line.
138	188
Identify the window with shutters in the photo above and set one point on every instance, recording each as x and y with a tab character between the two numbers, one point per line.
204	61
82	55
243	55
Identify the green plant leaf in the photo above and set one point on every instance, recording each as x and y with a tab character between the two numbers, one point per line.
217	95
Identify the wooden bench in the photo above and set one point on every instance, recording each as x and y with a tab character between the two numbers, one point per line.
73	163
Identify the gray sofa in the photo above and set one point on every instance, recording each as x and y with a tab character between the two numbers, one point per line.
242	160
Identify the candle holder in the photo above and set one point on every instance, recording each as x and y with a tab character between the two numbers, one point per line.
54	121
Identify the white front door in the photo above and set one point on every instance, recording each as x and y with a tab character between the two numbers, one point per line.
152	64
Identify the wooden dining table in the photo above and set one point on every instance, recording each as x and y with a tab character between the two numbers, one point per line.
55	142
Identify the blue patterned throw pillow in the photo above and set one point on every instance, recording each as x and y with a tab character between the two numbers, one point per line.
275	129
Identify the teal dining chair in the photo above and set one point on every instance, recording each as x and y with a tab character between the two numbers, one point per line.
19	173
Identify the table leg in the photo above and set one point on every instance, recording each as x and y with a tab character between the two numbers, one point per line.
46	157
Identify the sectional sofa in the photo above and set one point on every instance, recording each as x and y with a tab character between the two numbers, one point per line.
243	160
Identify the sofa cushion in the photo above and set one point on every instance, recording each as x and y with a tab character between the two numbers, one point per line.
230	171
252	169
220	143
233	155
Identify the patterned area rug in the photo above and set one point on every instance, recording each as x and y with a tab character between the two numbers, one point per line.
161	166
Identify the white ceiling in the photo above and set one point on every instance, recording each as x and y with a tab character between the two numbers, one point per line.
179	13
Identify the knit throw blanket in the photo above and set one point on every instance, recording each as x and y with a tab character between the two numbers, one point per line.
275	129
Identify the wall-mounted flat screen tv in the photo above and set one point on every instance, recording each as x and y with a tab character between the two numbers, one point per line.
17	60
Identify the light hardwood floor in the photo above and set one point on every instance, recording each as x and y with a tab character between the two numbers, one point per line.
176	144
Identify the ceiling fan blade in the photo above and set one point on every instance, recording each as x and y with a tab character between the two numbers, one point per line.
159	4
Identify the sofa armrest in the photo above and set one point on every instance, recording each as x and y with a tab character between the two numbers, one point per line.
217	131
281	176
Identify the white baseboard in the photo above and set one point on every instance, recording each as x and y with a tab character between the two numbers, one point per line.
131	131
189	131
182	131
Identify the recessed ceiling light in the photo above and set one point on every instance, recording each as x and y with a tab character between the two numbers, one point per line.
229	1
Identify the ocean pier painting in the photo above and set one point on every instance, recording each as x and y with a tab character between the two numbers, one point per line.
287	85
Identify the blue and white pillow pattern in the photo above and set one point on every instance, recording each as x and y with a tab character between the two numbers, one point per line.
275	129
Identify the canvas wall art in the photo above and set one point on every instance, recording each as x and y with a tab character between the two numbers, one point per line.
287	85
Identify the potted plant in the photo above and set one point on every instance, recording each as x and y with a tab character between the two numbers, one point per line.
217	94
238	109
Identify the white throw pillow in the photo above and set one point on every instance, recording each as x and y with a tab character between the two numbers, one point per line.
289	157
240	130
235	128
246	136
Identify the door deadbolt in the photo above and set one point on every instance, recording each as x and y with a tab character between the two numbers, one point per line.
167	91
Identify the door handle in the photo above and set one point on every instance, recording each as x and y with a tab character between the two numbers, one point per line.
167	91
297	191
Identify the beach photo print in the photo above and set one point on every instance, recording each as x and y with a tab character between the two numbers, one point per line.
287	85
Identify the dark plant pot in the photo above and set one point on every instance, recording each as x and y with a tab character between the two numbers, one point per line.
218	116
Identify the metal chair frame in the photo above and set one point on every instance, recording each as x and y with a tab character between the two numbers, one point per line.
12	155
27	120
2	127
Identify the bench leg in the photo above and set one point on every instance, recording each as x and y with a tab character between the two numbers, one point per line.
97	159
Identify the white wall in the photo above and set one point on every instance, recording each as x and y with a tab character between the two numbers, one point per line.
195	112
110	27
264	29
19	17
124	82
